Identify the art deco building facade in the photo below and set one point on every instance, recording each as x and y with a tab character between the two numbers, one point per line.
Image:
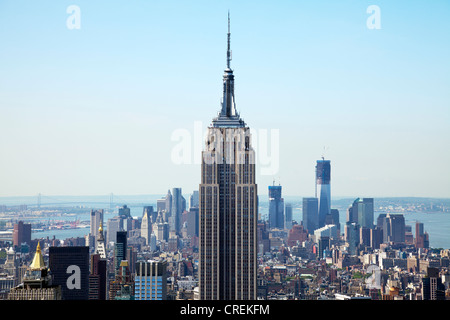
146	227
228	204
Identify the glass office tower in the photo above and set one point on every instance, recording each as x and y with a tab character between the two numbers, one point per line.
323	190
276	208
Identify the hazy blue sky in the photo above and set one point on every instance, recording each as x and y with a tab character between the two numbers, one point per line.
92	110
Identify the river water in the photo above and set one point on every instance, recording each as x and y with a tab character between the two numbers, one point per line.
437	224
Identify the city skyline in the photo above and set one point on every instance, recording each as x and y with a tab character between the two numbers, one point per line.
94	110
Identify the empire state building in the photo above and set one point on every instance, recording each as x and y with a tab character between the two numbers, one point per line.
228	204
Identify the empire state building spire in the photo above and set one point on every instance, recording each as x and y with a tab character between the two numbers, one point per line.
229	50
228	116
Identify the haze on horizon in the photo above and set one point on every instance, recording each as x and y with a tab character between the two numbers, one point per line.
93	111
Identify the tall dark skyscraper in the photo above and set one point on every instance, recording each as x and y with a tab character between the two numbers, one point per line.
177	208
310	214
352	236
288	216
97	278
228	208
394	228
70	269
120	249
432	286
124	211
323	190
276	207
333	218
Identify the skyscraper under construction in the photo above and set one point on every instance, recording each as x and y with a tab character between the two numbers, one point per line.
323	190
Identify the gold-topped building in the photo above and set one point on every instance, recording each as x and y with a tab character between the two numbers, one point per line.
38	260
37	282
101	249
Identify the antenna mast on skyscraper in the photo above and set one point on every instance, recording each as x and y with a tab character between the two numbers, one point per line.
323	154
229	47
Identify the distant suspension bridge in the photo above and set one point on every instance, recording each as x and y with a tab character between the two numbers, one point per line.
110	199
